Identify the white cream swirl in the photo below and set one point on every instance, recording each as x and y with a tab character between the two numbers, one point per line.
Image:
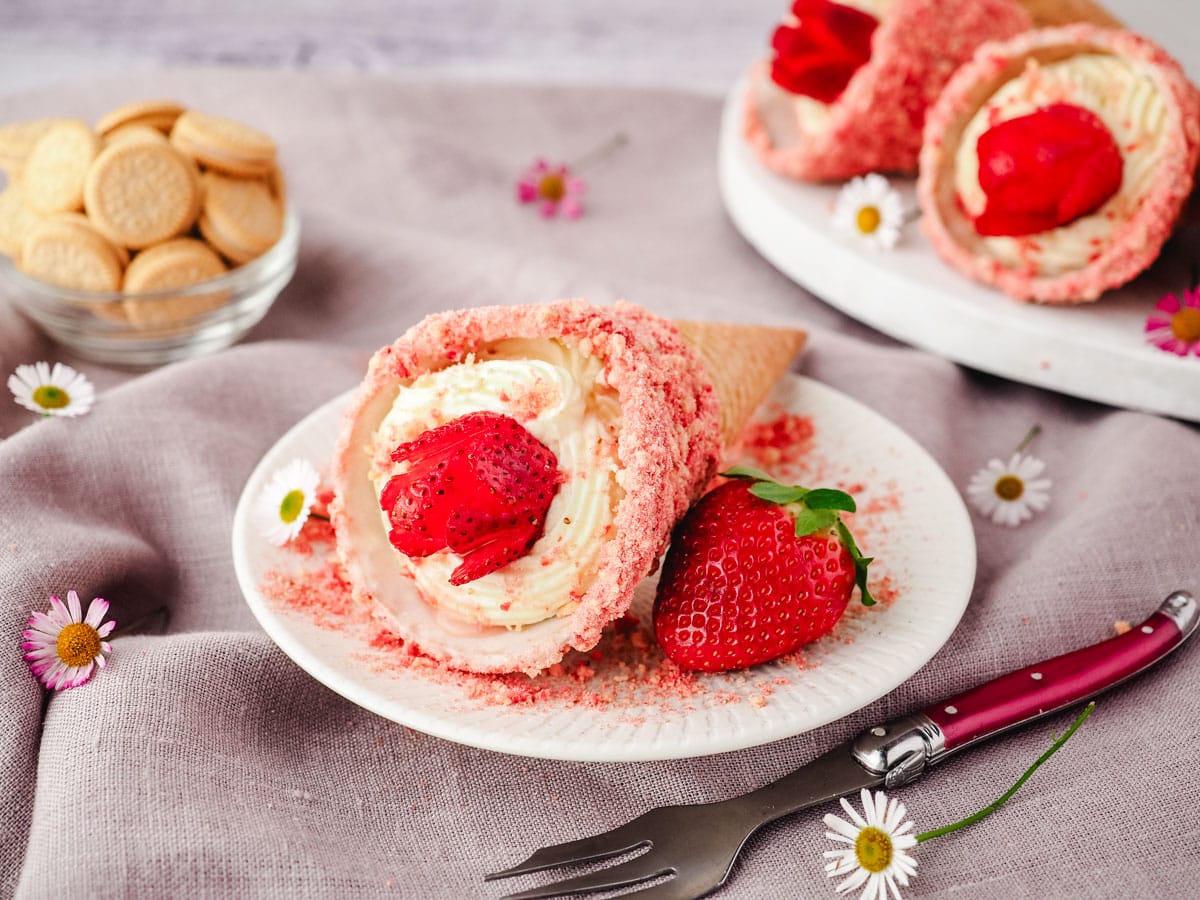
560	396
1125	99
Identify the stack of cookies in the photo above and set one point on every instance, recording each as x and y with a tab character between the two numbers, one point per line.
154	197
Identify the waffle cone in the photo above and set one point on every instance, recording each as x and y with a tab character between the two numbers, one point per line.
744	362
1050	13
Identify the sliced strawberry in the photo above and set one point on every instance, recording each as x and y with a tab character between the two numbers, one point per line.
755	570
818	55
479	486
1045	170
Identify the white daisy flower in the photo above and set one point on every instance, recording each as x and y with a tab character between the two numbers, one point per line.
58	391
284	504
64	647
869	209
1010	493
877	854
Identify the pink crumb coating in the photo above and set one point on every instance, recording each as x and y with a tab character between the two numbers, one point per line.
1135	243
875	125
667	449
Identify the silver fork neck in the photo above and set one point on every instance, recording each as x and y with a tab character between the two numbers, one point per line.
901	749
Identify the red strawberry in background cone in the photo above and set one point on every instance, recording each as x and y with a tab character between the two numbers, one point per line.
756	570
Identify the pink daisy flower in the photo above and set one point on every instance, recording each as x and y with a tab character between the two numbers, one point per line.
63	647
554	188
1174	325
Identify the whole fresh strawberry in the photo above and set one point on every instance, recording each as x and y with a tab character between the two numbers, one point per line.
755	570
480	486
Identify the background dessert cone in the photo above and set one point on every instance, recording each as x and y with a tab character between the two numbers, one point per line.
744	362
1049	13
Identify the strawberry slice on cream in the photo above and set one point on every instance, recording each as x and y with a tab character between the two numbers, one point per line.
543	401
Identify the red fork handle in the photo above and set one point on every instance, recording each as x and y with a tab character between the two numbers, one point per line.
1046	687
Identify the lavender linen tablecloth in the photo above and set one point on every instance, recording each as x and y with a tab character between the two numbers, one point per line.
203	761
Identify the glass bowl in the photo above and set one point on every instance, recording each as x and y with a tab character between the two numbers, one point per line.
150	329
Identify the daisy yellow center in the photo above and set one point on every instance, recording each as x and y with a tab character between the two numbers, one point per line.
47	396
78	644
291	506
1009	487
1185	325
552	187
868	219
873	848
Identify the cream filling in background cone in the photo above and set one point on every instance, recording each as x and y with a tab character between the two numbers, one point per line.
744	363
1049	13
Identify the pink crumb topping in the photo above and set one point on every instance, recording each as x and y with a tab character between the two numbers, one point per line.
527	404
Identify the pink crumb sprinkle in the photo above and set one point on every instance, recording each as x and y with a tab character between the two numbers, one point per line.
783	439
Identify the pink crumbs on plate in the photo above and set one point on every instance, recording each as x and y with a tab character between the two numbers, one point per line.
783	439
626	670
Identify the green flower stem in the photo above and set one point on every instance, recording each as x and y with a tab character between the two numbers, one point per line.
1028	439
991	808
617	141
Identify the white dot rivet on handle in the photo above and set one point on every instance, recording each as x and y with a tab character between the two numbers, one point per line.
878	731
1146	629
1036	676
952	709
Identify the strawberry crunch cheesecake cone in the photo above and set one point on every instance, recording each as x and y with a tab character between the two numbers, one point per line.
505	476
848	85
1055	165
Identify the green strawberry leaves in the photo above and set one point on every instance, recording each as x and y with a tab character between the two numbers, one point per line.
860	562
813	510
827	498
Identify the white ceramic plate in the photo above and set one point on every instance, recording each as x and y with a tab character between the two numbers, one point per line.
1095	351
911	519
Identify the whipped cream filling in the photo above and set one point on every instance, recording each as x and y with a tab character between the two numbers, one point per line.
789	118
1125	99
560	396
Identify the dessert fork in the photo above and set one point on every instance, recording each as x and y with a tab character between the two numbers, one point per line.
696	844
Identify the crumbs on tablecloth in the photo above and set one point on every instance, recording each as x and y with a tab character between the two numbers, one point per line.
626	670
1121	626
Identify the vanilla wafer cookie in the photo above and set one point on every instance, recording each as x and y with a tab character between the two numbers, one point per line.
224	144
54	171
241	216
66	253
17	220
80	219
140	193
17	140
134	131
157	114
175	264
278	185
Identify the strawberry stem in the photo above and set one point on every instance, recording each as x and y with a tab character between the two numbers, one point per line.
813	510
